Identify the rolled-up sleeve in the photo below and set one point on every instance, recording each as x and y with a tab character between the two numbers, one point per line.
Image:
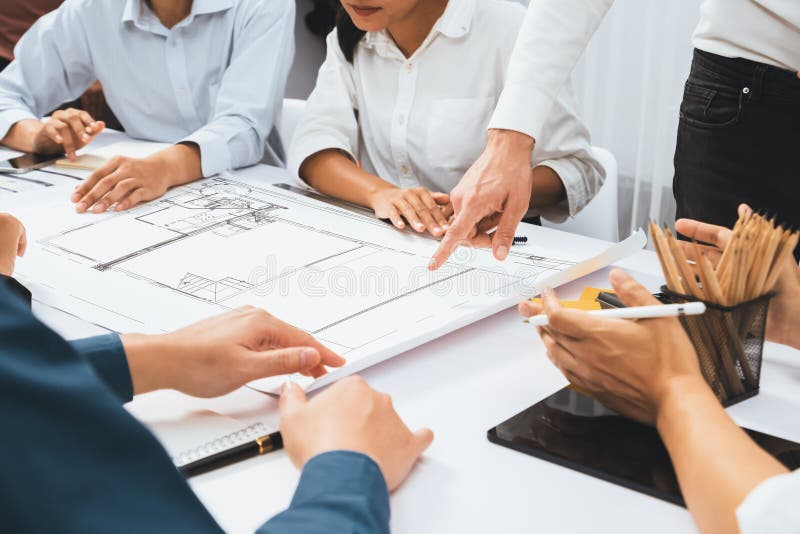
250	97
771	508
107	357
339	491
552	39
565	147
52	66
329	120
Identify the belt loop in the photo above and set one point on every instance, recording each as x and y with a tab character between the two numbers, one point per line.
754	91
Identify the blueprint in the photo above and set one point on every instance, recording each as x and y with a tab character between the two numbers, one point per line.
358	285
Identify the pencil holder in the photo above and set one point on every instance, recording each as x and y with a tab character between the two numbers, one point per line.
729	341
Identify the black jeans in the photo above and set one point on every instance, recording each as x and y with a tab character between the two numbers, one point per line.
738	141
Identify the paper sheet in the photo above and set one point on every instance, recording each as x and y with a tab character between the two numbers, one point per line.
355	283
34	182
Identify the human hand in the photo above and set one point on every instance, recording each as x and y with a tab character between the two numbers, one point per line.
125	182
783	320
629	366
13	242
351	416
218	355
67	130
495	191
422	209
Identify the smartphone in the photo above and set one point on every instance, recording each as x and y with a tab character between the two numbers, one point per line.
28	162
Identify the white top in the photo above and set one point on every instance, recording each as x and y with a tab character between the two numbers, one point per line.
771	508
555	33
421	121
216	78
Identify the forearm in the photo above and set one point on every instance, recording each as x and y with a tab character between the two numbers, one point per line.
717	464
181	162
332	173
548	189
21	136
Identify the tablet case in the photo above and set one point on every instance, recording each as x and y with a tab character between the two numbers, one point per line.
577	432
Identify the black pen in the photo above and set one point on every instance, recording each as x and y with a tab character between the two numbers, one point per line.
257	447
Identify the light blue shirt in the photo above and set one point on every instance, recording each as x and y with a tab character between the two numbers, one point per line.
216	78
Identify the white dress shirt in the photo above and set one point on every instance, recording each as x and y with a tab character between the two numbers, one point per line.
216	78
422	120
556	32
772	507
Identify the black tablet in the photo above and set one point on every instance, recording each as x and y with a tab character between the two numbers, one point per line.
575	431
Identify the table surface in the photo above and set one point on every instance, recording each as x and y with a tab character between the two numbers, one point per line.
460	385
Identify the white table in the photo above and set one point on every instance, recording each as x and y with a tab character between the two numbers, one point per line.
460	386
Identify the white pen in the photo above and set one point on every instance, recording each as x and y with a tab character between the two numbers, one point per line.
637	312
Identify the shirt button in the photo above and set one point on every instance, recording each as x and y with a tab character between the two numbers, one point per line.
401	119
404	169
409	67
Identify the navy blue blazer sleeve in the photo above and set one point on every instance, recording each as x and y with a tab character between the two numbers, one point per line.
16	288
340	491
107	356
75	461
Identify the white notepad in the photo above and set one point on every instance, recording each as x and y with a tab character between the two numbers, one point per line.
189	434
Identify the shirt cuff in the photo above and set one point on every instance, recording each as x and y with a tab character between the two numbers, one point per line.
575	189
769	507
215	155
106	355
10	117
522	109
17	289
301	150
342	473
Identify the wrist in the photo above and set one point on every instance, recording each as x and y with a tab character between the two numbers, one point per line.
375	192
511	141
178	164
681	397
149	359
7	266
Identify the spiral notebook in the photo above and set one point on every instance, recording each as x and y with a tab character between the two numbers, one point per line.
188	433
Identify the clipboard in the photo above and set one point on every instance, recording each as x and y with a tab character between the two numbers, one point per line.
577	432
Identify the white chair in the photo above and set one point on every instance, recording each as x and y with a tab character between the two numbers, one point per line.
293	109
600	218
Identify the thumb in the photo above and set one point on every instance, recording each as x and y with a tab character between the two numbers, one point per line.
23	243
631	292
284	361
292	398
441	198
422	440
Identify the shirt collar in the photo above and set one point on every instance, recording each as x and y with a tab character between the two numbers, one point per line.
139	13
455	22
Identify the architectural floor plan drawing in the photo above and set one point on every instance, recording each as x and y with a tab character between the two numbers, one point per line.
354	282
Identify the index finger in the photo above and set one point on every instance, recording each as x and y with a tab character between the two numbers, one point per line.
289	336
458	233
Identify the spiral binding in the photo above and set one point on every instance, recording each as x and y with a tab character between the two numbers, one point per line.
234	439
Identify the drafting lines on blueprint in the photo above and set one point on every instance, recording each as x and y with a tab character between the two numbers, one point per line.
228	244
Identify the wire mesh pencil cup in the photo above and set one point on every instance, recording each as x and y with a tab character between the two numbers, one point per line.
729	341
